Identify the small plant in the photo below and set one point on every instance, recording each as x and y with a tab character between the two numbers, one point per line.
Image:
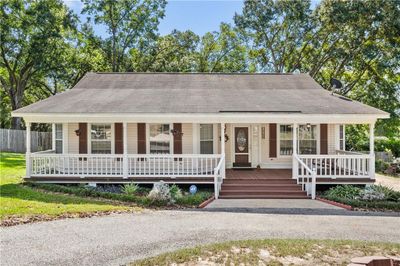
130	189
176	192
344	192
160	192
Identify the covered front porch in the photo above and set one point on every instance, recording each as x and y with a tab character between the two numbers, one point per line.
312	153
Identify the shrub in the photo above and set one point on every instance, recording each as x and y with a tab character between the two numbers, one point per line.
344	191
176	192
194	200
370	193
381	166
130	189
160	192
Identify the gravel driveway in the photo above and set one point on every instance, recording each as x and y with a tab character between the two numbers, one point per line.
118	239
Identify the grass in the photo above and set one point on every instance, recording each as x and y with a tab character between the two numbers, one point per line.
17	200
275	252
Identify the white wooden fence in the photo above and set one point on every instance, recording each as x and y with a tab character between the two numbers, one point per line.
13	140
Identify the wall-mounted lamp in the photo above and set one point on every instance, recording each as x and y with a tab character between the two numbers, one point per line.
176	132
308	125
78	132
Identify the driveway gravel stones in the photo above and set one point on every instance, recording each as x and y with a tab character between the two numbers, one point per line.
122	238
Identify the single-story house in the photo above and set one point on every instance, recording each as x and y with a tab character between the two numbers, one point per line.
251	135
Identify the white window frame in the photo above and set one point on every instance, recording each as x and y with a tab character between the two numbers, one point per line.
278	140
318	138
89	134
337	138
59	139
214	128
171	137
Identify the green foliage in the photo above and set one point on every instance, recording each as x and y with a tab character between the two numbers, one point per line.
372	197
176	192
193	200
130	189
385	144
381	166
344	192
128	23
19	200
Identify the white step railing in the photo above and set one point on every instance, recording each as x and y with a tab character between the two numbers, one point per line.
308	177
112	165
219	175
336	166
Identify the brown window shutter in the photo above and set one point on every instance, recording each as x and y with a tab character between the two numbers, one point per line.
141	130
324	139
83	138
178	139
119	142
272	141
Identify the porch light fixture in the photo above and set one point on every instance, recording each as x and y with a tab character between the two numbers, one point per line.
176	132
78	132
308	125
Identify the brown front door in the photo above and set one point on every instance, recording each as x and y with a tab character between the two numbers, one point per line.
241	147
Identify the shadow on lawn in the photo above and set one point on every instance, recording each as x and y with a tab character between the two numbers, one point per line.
18	191
12	160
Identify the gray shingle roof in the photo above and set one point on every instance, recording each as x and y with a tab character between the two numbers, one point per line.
197	93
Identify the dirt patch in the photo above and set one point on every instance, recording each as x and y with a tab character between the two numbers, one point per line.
17	220
284	252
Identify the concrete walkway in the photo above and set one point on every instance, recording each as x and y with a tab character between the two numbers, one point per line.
270	203
119	239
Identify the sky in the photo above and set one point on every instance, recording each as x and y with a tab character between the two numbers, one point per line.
199	16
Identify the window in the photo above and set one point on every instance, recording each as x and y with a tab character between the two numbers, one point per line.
341	138
100	138
285	140
59	138
160	138
206	139
307	139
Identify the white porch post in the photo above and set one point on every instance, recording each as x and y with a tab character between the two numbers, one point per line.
295	163
28	149
223	147
372	150
53	136
125	144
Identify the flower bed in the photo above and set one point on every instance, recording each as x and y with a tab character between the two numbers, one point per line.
161	195
374	197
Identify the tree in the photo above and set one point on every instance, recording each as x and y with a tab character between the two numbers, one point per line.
33	38
174	52
275	30
222	51
128	23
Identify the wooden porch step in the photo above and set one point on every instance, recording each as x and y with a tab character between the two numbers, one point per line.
264	192
259	181
263	197
263	187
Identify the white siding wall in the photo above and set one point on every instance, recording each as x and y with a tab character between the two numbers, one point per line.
331	138
73	139
187	138
132	138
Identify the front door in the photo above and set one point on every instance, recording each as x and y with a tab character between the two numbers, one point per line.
241	147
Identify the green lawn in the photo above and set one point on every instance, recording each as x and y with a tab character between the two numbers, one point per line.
275	252
17	200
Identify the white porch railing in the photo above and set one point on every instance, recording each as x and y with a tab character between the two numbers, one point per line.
112	165
308	177
219	174
336	166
